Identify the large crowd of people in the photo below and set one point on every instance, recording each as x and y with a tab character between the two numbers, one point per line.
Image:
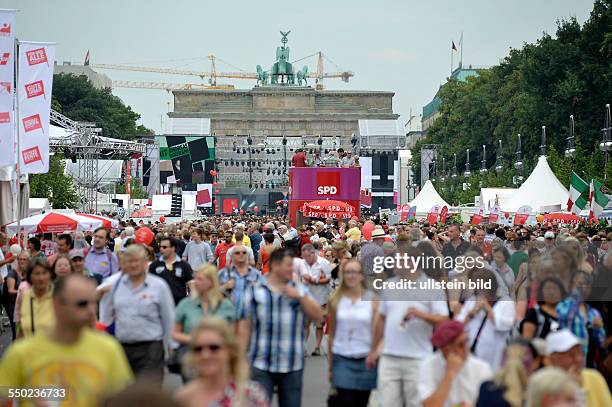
500	316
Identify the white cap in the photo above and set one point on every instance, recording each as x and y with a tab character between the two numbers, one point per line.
561	341
549	235
540	239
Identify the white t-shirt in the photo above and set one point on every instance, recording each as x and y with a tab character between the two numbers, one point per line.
322	267
353	336
413	340
492	340
465	387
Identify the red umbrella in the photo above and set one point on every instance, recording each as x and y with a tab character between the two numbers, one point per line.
106	222
565	217
328	209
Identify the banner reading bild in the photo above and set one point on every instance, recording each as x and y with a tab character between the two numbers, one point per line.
34	102
7	78
341	184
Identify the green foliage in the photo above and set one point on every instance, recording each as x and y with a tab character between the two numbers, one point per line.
136	191
540	84
55	185
75	97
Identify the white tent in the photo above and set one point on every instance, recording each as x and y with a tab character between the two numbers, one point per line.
427	197
488	196
540	189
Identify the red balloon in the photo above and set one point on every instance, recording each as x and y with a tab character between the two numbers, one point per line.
217	191
255	209
214	184
144	235
367	229
162	219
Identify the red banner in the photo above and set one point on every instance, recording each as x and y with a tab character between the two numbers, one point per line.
432	216
405	210
522	214
494	214
478	216
443	214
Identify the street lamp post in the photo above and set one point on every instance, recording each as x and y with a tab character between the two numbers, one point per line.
467	172
518	163
499	167
571	139
606	143
543	142
250	143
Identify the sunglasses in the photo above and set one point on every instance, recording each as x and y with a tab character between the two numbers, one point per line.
213	348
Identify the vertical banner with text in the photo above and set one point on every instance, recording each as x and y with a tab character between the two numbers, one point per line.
7	80
34	104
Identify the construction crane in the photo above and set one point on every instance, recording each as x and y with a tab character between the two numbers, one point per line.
169	86
319	75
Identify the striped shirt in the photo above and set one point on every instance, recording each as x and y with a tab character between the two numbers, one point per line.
241	283
277	329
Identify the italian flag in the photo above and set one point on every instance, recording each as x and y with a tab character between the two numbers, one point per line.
578	186
597	199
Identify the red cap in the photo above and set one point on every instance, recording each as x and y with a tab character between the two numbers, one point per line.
446	332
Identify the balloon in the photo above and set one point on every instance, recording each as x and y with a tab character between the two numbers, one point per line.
144	235
540	218
15	249
217	191
367	229
255	209
214	184
162	219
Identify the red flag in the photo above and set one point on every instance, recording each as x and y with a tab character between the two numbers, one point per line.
443	214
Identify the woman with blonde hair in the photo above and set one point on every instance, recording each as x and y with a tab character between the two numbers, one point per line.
352	312
206	299
222	372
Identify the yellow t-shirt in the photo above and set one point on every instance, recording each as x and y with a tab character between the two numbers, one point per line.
246	240
41	308
92	367
353	234
595	388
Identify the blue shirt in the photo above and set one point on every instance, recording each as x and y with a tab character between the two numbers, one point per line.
277	328
103	262
241	283
145	313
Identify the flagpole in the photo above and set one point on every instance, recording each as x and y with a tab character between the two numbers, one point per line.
461	47
452	50
17	166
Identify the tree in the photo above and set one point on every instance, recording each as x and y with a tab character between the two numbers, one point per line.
136	191
76	97
55	185
539	84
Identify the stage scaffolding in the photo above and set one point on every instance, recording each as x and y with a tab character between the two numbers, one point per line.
84	143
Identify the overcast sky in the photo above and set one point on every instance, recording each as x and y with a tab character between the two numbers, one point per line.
396	45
